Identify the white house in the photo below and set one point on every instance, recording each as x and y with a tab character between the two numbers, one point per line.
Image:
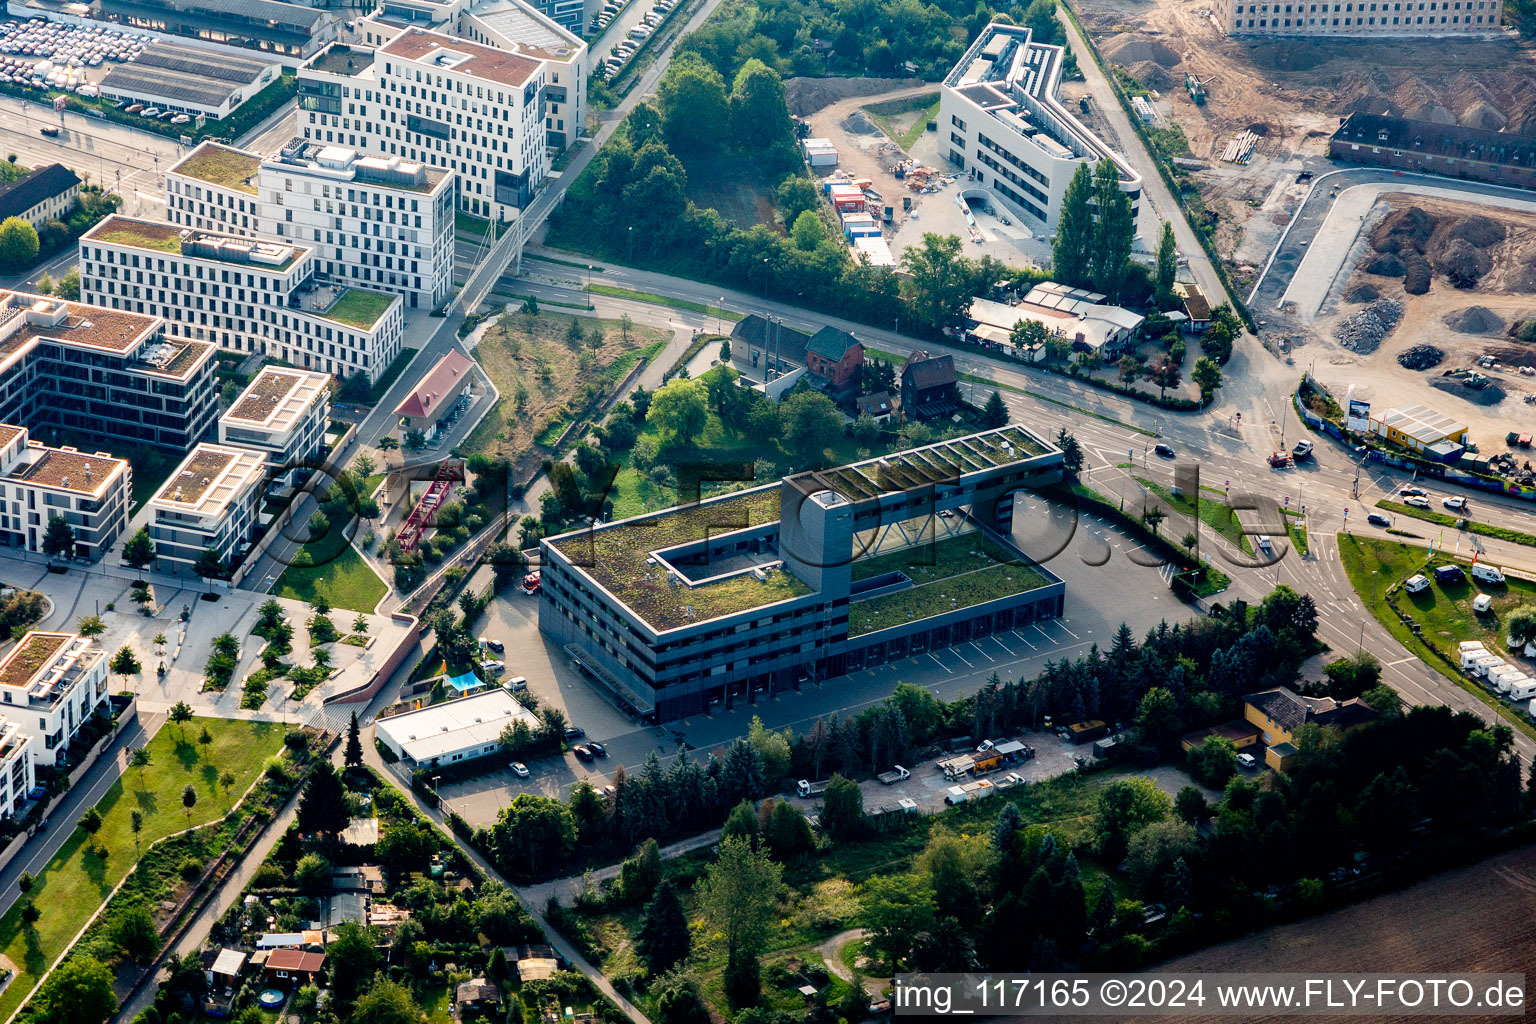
455	730
92	493
209	501
281	412
53	683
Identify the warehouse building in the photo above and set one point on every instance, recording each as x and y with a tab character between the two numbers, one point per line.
825	573
284	30
209	501
42	194
242	294
107	375
1421	429
454	730
1379	18
1001	112
1428	147
58	680
189	79
92	493
281	412
375	222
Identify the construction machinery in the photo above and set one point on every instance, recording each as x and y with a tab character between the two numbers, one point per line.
1196	86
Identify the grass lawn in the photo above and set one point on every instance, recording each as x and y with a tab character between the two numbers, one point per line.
556	374
343	577
1473	526
1215	514
1443	612
75	882
359	308
904	120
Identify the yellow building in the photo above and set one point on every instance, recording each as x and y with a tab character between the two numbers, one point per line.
1277	713
1418	428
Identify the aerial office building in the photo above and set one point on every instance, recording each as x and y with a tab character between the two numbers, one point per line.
209	501
242	294
821	574
374	222
1002	120
283	413
1353	20
90	492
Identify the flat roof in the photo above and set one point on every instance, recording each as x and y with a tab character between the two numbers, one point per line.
527	29
219	165
447	53
209	478
30	656
214	246
342	59
455	725
1422	423
66	469
69	323
277	398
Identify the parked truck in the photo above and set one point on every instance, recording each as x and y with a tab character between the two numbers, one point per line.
895	775
970	791
808	789
954	767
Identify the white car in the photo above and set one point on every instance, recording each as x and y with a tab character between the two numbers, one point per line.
1247	761
1455	504
1417	501
519	769
493	666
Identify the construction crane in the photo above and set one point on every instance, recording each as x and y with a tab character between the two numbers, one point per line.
1196	86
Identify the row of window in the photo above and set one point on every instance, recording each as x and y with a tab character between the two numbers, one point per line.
1455	19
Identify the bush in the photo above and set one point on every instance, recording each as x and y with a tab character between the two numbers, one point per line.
191	869
296	740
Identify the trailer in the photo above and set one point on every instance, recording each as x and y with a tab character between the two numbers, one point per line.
991	761
969	792
808	789
1087	732
895	775
1506	678
1523	690
1478	663
954	767
1470	645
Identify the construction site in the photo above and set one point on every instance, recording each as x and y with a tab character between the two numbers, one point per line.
1251	110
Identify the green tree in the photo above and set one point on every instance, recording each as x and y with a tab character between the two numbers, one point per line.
1153	850
811	424
139	550
1114	231
1206	375
136	824
1352	675
1167	262
90	821
1124	806
759	115
90	625
1384	701
134	932
788	833
79	991
678	1001
896	909
386	1002
1165	374
210	566
664	937
842	810
1190	805
181	714
125	664
809	231
773	748
312	874
1072	246
18	243
1214	761
996	413
59	539
694	107
323	806
351	959
188	800
533	834
940	280
680	408
353	758
69	285
1072	457
1157	718
739	896
797	194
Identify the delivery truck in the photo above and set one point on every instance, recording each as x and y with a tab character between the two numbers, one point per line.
895	775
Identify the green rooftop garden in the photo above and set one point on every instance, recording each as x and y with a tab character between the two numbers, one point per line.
359	308
219	165
618	561
122	231
942	461
947	575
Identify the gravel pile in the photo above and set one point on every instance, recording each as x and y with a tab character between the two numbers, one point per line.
1474	320
1364	292
1364	331
1420	357
1489	395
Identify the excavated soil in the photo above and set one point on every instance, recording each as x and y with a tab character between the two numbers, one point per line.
1474	320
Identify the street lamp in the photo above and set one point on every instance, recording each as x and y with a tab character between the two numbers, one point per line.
437	793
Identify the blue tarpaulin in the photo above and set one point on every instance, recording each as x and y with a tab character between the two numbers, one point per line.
467	681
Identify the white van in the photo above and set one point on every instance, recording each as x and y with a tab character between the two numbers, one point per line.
1487	573
1414	584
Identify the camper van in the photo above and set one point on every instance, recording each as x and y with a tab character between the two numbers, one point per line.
1488	573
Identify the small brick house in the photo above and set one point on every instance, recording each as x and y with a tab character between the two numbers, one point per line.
836	357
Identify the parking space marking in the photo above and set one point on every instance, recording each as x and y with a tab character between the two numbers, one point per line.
961	657
941	665
1048	636
981	652
1073	635
1004	646
1026	642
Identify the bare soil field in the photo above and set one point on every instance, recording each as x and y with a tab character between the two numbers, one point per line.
736	187
1416	251
1479	918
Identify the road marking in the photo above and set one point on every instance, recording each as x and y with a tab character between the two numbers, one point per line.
1053	640
981	652
1073	635
1026	642
939	663
1401	661
961	657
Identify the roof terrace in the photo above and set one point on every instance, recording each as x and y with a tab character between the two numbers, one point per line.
48	665
208	479
221	166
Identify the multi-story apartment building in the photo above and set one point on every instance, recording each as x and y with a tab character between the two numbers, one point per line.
243	294
102	375
53	683
452	104
375	222
210	501
18	771
1003	122
821	574
283	413
92	493
1354	19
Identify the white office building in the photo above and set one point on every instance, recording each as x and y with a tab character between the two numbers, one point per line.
92	493
53	683
452	104
375	222
454	730
242	294
209	501
18	770
282	412
1003	122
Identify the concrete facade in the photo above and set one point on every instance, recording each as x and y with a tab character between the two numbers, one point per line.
53	683
1355	19
209	501
92	493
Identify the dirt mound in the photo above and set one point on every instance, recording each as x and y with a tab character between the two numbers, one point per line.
1485	116
808	95
1364	292
1482	232
1462	264
1433	111
1132	48
1385	265
858	123
1416	274
1152	75
1402	231
1522	280
1474	320
1292	55
1364	331
1420	357
1490	395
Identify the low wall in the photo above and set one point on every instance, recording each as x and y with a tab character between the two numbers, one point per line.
365	693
